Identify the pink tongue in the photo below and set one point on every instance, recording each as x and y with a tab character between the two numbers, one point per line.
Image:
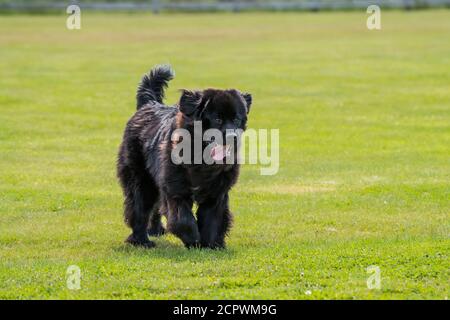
217	153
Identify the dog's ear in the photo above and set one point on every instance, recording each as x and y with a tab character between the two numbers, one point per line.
248	99
190	101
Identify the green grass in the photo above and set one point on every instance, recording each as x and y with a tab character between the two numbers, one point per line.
364	119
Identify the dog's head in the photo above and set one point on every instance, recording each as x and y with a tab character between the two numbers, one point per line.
225	111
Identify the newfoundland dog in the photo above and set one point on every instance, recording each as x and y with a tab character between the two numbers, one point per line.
154	184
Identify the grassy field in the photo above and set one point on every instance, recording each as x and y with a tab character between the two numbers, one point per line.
364	119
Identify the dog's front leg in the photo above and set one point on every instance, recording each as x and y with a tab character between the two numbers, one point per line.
181	221
214	220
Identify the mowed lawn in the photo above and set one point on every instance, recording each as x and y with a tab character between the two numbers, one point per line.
364	120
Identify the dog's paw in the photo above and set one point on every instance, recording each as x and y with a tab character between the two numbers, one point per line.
191	240
213	246
192	245
143	242
187	231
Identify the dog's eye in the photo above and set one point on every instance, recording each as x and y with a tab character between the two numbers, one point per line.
219	121
237	121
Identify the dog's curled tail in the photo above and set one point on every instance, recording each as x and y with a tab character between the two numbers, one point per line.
153	84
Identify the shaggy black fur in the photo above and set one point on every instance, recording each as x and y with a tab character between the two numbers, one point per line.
153	185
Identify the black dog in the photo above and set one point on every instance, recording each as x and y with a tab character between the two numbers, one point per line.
154	185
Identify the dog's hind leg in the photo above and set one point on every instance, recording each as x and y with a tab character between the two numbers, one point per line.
141	195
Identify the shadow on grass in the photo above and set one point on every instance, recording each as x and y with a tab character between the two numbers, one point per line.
175	252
